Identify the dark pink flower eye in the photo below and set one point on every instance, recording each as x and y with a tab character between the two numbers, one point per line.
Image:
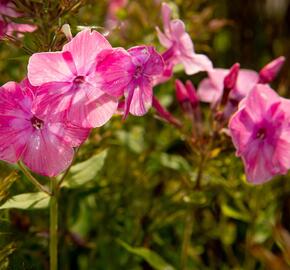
261	133
36	123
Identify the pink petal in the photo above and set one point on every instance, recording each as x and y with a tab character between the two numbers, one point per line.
258	163
48	67
155	64
53	99
47	154
142	99
246	81
259	100
196	63
208	92
163	39
15	117
74	136
85	47
88	113
166	14
114	71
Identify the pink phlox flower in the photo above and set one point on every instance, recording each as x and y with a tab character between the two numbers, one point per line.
260	131
131	74
211	89
43	143
180	49
67	81
7	26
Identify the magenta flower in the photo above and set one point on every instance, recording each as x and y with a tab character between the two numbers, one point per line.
260	131
179	45
44	144
131	74
211	89
68	81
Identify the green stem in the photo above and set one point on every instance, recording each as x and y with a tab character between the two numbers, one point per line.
32	179
53	225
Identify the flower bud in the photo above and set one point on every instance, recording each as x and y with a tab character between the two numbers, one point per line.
230	82
164	114
67	32
186	95
270	71
231	78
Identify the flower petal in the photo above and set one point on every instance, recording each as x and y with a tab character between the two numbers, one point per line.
85	47
47	154
114	71
48	67
142	99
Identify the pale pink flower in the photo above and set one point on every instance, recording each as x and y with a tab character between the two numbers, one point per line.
131	74
68	81
260	131
180	49
44	144
211	89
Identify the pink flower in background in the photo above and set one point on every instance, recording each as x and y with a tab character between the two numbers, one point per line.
68	81
260	131
179	45
211	89
7	26
113	8
44	144
131	74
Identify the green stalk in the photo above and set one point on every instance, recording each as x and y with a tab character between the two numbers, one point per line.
53	213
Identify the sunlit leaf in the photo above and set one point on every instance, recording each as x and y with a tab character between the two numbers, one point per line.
35	200
86	171
233	213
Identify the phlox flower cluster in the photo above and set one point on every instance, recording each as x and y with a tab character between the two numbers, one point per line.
69	92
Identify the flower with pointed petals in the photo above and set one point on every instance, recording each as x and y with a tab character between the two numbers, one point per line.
44	144
131	74
179	45
260	131
68	82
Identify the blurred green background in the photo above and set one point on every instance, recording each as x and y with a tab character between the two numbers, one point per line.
130	201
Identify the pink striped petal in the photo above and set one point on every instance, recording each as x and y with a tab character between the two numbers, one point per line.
47	154
48	67
85	47
142	99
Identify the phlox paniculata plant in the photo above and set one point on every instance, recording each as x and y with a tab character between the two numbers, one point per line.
67	93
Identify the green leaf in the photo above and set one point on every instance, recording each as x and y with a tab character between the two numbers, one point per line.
35	200
149	256
174	162
86	171
233	213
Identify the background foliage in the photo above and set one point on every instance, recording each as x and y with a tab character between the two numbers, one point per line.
130	201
